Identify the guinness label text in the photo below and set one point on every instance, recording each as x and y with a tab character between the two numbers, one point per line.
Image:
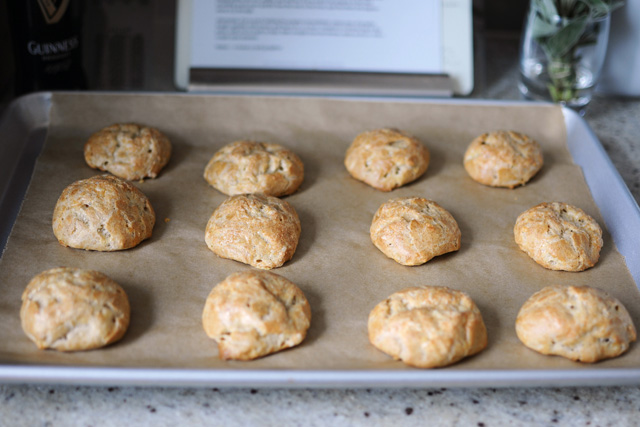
53	48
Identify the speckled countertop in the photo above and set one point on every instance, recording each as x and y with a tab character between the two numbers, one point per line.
616	122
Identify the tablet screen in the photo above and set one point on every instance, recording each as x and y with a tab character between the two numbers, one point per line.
387	36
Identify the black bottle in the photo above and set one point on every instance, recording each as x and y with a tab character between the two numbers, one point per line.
46	38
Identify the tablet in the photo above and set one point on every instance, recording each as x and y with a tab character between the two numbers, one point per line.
374	47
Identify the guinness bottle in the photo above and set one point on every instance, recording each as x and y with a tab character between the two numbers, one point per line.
47	44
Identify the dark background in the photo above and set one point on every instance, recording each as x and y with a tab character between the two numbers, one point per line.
129	44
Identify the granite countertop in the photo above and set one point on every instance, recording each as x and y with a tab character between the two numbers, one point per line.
615	122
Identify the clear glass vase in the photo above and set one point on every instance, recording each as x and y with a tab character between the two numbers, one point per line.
562	70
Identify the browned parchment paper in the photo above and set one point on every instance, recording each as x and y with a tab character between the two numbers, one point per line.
343	275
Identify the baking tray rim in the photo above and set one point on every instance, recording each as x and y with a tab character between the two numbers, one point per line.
618	208
272	378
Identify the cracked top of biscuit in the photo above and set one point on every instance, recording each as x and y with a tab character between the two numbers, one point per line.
559	236
413	230
503	159
128	151
386	158
255	229
254	313
248	167
427	327
70	309
102	213
580	323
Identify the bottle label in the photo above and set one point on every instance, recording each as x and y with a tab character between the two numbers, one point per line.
52	50
53	10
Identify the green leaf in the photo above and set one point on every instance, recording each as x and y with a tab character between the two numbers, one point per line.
541	28
597	8
589	37
601	8
581	9
565	39
546	8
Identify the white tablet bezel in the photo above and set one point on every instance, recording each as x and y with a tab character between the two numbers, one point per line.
457	32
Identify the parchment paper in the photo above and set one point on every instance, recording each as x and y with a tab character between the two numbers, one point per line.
343	275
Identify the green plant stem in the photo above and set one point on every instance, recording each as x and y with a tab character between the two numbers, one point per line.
563	75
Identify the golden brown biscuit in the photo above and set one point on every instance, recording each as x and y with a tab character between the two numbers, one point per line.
503	159
559	236
69	309
427	327
102	213
255	313
129	151
577	322
412	230
255	229
386	158
247	167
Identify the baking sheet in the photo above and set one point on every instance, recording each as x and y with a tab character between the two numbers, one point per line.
341	272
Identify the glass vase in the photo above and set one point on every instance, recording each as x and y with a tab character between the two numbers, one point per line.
563	73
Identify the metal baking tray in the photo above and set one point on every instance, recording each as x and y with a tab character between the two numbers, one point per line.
23	130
